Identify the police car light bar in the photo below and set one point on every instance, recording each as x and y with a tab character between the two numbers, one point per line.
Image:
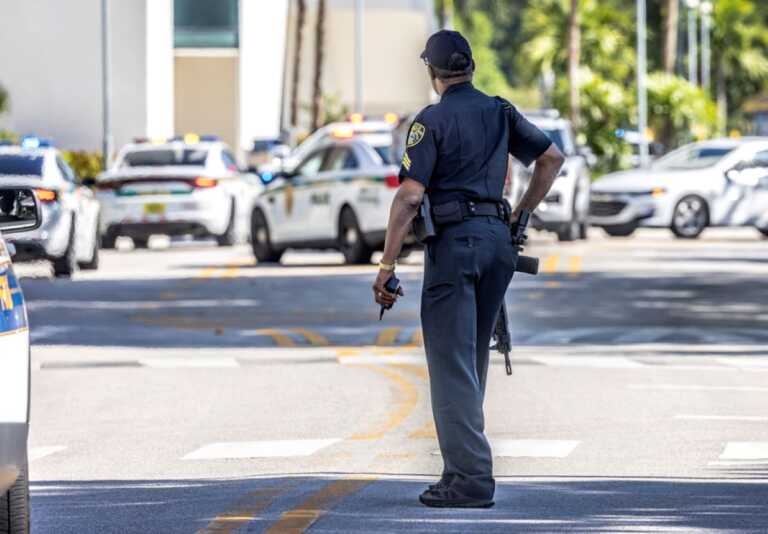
31	141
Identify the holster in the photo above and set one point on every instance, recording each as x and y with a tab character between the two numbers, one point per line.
423	224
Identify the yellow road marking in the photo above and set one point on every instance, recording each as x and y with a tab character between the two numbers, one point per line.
348	351
243	512
550	264
407	402
574	265
313	337
167	295
417	339
428	431
17	331
277	336
208	272
536	295
300	518
388	336
552	283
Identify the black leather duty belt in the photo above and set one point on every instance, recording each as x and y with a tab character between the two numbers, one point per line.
457	211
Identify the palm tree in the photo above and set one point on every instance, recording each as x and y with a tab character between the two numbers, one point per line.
574	57
670	35
300	19
317	89
3	100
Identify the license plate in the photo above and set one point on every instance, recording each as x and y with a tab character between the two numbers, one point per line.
154	209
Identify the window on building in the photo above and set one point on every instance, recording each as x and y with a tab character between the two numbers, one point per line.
205	23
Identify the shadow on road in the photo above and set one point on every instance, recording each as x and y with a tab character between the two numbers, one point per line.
376	506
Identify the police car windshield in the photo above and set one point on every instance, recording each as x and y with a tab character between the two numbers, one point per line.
557	138
384	153
164	157
21	164
692	157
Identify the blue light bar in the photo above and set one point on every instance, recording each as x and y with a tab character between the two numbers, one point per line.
31	141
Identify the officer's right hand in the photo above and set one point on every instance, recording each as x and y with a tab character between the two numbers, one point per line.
380	293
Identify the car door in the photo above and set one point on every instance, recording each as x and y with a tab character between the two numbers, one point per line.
291	200
744	200
330	189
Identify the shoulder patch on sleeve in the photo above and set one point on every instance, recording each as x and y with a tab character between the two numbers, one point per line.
416	134
406	162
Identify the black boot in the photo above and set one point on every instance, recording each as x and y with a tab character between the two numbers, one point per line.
449	497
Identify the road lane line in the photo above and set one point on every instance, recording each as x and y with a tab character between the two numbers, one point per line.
231	271
408	396
280	339
694	387
530	448
206	273
745	450
745	418
37	453
550	264
314	338
417	339
574	266
590	362
242	512
300	518
260	449
388	336
194	362
428	431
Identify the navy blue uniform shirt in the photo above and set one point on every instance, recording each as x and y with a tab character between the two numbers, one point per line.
458	148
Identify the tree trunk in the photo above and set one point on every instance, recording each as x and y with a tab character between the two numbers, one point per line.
300	18
670	35
574	58
317	89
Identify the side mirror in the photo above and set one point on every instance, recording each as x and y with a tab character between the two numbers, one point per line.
269	176
88	181
19	210
746	176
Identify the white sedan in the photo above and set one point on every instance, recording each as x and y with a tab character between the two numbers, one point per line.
712	183
69	235
337	198
189	186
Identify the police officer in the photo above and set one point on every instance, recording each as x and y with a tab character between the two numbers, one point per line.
457	154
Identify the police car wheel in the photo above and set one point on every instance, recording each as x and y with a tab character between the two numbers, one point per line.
690	218
14	506
568	231
228	238
108	241
66	265
620	230
261	241
763	231
140	242
351	241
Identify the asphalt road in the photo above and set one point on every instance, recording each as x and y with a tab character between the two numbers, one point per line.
186	389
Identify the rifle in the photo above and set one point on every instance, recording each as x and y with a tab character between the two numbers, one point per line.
525	264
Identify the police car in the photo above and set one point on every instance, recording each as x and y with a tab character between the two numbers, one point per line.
69	236
565	209
338	197
188	185
722	182
377	132
19	212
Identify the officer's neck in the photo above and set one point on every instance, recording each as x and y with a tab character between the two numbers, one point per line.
441	86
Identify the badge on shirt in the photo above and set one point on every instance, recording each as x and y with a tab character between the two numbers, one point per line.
416	134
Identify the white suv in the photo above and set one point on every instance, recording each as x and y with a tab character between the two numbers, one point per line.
565	209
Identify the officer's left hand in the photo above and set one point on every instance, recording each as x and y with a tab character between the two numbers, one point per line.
380	293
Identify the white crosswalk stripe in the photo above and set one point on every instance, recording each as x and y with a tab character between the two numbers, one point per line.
260	449
38	453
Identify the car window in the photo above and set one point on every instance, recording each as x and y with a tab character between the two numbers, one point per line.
385	153
166	156
341	158
557	137
21	164
692	157
229	160
312	164
761	159
66	171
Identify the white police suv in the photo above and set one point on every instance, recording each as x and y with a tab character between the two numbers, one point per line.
69	235
19	212
188	185
722	182
338	197
565	209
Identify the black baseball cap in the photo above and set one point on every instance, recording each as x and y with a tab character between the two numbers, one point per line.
442	48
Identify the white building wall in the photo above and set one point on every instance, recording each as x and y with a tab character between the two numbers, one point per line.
262	45
51	67
159	65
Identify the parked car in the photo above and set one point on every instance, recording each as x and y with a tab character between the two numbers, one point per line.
187	185
338	197
712	183
69	235
19	212
565	209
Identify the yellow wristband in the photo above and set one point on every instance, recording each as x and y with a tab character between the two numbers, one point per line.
386	266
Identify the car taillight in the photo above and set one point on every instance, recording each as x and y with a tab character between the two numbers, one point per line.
204	182
46	195
392	180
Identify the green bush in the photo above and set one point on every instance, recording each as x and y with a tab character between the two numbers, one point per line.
85	164
679	112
